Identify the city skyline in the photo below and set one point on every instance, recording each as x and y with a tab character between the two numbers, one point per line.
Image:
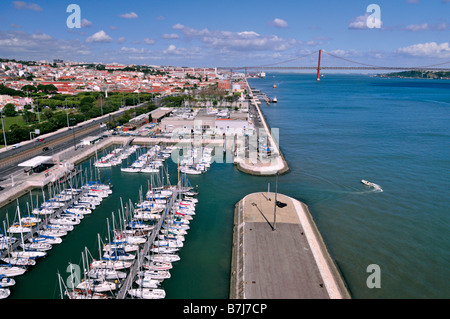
205	33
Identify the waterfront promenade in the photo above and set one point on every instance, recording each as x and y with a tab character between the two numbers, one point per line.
65	162
282	258
267	166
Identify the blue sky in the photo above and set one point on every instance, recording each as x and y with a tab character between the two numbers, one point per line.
227	33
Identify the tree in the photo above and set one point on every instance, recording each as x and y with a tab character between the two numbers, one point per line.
29	116
29	88
47	88
10	109
47	114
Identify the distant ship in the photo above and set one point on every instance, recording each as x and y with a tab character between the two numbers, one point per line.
274	100
274	86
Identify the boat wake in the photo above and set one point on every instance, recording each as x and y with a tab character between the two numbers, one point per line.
376	188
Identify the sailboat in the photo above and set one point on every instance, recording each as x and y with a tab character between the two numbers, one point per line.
20	228
147	293
79	293
146	282
106	274
39	246
157	265
19	261
95	285
28	254
4	293
11	271
46	240
6	281
164	257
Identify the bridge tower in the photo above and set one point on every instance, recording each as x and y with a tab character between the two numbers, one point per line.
318	66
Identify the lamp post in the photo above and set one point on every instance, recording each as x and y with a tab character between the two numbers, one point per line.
3	129
67	113
73	134
275	205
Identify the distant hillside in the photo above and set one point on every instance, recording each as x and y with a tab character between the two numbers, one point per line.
418	74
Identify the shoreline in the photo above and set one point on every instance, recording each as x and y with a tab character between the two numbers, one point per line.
279	165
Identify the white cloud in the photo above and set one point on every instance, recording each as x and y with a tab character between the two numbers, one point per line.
178	26
85	23
131	15
429	49
132	50
22	45
417	27
99	37
26	5
236	41
171	48
189	53
148	41
426	26
170	36
41	36
279	23
360	23
121	40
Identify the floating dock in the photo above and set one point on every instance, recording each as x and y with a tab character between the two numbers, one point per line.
282	257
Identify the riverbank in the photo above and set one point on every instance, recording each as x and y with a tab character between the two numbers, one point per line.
267	166
283	257
65	162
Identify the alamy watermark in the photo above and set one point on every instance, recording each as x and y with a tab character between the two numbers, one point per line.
74	278
374	19
374	279
74	19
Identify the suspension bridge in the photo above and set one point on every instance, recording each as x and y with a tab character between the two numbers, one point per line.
277	66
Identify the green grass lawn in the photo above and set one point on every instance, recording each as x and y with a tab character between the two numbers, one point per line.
13	120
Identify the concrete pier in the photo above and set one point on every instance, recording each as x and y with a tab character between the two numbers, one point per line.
257	166
286	259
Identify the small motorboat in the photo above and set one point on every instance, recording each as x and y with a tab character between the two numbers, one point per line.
367	183
370	184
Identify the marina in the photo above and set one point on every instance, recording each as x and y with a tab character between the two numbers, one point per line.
155	237
339	203
32	237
